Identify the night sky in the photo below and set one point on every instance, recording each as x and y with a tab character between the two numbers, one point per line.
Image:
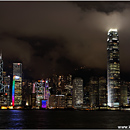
56	37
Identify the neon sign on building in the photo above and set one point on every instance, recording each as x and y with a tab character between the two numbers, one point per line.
44	103
13	90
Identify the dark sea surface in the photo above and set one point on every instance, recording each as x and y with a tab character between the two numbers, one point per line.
40	119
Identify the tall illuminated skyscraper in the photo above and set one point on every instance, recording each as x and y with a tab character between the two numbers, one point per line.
46	92
113	69
77	93
39	89
17	84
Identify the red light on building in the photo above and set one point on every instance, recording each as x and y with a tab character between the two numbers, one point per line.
18	63
43	81
5	93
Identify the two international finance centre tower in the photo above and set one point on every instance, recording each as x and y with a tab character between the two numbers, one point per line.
113	69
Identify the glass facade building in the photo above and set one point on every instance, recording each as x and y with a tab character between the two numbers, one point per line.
46	92
7	89
94	91
77	93
39	89
113	69
17	84
102	91
124	93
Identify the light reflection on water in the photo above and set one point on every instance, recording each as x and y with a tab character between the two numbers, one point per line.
39	119
16	119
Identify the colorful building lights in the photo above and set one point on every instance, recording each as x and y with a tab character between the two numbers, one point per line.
46	91
44	103
13	90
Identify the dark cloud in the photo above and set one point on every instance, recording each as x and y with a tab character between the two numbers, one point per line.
107	6
51	36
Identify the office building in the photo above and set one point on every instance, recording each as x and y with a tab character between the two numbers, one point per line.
39	90
94	91
52	102
113	69
69	80
69	101
33	97
124	93
17	84
77	93
86	98
46	92
60	101
7	90
68	89
102	91
26	92
60	85
57	101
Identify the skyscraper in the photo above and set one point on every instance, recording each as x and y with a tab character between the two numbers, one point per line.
46	92
17	84
7	89
124	93
102	91
26	92
113	69
77	93
94	91
39	89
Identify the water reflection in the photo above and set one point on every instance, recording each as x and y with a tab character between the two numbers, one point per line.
16	119
40	119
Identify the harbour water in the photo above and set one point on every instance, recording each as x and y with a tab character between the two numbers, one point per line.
42	119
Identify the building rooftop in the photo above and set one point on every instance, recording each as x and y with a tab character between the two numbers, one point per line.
114	30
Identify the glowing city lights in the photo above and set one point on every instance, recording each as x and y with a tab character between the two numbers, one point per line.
44	103
13	90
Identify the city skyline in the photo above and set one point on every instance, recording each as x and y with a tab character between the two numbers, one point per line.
58	91
64	64
59	35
